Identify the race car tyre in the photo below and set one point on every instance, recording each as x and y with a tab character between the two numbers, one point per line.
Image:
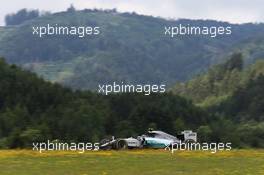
121	144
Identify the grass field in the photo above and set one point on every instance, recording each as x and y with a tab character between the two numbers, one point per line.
136	162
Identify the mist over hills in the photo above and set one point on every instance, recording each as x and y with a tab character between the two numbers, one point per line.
131	48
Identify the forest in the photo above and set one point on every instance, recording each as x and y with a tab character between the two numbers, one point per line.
131	48
47	86
32	109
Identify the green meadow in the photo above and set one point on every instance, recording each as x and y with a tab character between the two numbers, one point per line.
135	162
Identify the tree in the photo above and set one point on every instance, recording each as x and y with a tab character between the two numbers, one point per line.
21	16
29	136
71	8
179	125
235	62
204	133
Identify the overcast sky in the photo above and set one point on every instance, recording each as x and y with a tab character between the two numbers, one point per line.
235	11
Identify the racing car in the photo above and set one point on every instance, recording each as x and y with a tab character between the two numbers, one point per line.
151	139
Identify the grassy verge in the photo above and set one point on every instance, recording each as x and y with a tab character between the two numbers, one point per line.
136	162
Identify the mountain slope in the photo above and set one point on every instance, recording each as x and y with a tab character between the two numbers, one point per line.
33	110
220	82
247	102
131	48
233	95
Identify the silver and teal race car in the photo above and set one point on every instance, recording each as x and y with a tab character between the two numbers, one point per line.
151	139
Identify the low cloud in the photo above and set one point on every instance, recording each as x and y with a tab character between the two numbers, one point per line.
235	11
